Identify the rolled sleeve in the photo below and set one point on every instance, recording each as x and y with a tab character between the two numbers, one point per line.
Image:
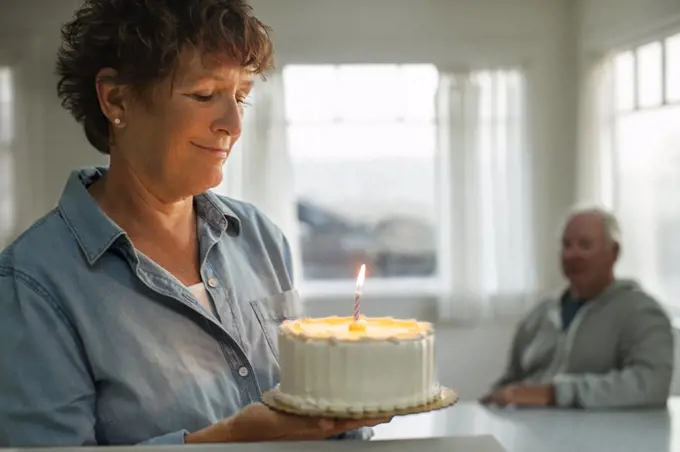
565	391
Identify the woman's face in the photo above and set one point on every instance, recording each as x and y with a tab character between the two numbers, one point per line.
177	139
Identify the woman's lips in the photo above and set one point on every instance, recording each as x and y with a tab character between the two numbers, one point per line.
217	151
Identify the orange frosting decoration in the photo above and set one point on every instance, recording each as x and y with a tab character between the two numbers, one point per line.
346	328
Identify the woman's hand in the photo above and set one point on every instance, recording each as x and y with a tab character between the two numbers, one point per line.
258	423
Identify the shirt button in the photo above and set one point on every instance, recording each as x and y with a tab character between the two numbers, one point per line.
212	282
243	371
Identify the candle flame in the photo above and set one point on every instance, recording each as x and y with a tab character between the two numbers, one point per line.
361	278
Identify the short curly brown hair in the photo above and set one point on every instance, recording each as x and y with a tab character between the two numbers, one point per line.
142	40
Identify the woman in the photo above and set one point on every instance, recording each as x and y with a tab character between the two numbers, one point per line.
144	308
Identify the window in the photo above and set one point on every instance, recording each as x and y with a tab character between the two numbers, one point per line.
362	140
647	166
624	66
649	75
6	160
673	68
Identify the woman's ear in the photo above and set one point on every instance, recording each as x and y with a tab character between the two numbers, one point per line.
111	96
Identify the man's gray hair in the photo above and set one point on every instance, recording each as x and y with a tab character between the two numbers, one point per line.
612	228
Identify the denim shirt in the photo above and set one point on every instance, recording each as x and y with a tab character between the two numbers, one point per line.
100	345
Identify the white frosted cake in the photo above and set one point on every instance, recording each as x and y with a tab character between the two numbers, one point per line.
338	364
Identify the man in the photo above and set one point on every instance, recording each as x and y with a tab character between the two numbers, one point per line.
604	343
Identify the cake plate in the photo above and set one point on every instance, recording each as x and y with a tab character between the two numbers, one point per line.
446	398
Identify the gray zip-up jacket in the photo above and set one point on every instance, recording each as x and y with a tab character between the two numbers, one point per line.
617	352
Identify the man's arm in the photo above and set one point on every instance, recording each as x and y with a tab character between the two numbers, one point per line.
524	334
48	392
513	370
645	377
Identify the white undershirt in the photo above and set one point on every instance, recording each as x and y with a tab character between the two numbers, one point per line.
198	291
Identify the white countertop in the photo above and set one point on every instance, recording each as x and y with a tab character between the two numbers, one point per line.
533	430
470	427
484	443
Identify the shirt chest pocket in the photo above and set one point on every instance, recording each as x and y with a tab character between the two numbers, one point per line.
270	312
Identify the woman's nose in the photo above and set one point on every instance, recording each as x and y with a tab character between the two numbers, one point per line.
230	120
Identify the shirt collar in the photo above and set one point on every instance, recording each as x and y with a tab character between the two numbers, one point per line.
96	233
213	210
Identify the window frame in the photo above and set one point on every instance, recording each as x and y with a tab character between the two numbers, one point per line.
634	49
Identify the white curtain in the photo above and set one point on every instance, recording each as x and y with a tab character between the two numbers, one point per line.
7	166
487	252
259	169
595	164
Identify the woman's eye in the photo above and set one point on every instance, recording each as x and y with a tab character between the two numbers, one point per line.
202	97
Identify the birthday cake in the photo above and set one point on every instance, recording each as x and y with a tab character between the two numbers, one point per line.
344	365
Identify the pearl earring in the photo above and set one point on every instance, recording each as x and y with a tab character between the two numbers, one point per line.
116	121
